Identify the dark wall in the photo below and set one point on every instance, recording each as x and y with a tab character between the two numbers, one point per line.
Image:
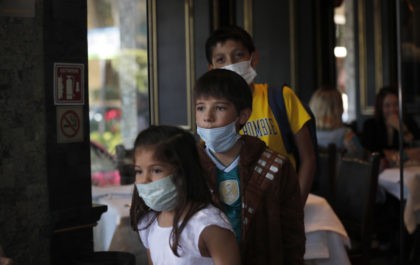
24	196
46	214
295	40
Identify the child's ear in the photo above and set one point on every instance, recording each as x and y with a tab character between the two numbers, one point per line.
244	116
255	59
210	67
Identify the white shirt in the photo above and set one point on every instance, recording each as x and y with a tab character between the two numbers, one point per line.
156	238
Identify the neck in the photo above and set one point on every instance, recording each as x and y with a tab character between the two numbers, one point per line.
227	157
252	86
166	218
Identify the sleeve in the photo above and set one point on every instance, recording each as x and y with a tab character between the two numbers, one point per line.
144	234
293	229
143	227
368	135
352	144
296	112
202	219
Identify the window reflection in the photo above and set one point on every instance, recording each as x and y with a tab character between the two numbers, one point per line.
118	84
344	54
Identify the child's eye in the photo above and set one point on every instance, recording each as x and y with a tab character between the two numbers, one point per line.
138	172
199	108
239	55
219	60
157	170
220	108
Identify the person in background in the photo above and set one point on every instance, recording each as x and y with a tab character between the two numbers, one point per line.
256	187
233	48
171	205
381	133
327	105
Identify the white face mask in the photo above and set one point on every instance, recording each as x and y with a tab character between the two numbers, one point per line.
219	139
243	69
159	195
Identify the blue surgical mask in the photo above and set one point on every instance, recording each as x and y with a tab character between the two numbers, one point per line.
243	69
219	139
159	195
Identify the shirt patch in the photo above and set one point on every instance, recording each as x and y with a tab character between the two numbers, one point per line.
229	191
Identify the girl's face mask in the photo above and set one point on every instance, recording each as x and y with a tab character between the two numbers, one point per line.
159	195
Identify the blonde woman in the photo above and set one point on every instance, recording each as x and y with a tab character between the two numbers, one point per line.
327	106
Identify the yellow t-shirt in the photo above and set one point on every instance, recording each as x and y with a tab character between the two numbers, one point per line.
263	124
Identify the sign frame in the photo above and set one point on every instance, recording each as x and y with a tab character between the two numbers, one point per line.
69	84
70	127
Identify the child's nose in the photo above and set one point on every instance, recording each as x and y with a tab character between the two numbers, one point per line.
229	61
208	117
144	179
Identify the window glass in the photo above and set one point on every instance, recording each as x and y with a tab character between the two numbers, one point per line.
118	84
345	59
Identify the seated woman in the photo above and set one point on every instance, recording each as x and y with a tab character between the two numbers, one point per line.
381	133
327	105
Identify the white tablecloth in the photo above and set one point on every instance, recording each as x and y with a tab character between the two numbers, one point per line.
118	200
389	179
326	238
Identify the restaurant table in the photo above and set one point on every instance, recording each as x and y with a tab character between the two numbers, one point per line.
118	199
326	238
389	179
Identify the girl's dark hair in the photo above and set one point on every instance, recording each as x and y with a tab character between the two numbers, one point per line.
225	33
222	83
177	147
379	102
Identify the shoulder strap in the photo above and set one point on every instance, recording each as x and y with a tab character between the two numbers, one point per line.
276	101
261	179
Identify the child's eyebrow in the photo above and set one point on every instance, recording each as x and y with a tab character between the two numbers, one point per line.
212	98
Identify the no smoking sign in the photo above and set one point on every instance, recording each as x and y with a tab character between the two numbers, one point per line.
69	124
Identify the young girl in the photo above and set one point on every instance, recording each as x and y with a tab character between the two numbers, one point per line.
171	205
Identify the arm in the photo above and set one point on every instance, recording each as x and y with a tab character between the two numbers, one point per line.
352	145
413	153
292	216
219	244
307	160
394	122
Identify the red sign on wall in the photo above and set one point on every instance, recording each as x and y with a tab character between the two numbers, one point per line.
68	84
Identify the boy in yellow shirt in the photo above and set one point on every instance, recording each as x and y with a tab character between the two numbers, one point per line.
232	48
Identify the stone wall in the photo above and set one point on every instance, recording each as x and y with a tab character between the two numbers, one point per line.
24	213
45	192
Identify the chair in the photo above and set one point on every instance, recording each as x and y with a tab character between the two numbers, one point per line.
354	199
324	185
